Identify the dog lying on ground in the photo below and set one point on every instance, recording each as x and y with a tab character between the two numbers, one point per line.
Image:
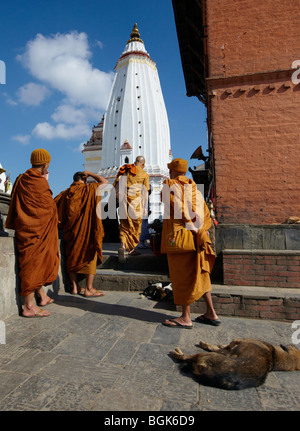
242	364
159	291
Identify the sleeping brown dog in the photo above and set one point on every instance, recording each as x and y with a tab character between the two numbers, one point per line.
242	364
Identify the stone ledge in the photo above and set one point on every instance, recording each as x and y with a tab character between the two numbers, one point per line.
256	291
240	301
253	302
261	252
125	280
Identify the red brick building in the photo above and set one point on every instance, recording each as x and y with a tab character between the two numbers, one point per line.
238	58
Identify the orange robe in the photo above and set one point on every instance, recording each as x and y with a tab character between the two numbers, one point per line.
33	216
79	216
189	272
133	197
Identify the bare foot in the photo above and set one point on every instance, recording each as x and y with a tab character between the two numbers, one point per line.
78	291
204	319
34	311
76	288
121	255
134	253
45	301
178	321
210	315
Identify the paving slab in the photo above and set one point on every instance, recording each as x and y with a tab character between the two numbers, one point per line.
110	354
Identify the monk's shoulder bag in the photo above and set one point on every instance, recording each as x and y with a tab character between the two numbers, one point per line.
183	242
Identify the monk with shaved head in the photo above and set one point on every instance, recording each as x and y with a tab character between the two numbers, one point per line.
79	216
132	190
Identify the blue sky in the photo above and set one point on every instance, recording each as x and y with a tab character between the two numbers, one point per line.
60	58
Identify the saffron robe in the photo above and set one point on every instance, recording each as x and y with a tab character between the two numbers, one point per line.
79	215
33	215
132	189
184	207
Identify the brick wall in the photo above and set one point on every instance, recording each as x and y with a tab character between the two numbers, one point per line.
257	153
262	268
248	36
251	306
252	110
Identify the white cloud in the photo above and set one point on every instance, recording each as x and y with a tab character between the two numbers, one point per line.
62	61
48	131
9	100
70	114
23	139
80	147
72	123
99	44
32	94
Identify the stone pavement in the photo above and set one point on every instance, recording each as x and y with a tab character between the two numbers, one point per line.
111	354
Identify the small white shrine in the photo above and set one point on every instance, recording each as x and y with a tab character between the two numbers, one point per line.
135	123
5	183
92	150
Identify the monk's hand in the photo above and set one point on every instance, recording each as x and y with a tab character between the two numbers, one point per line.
86	173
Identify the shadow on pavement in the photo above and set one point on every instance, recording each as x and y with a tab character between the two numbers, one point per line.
116	309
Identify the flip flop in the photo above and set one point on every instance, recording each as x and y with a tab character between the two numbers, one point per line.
134	253
207	321
95	294
177	324
38	314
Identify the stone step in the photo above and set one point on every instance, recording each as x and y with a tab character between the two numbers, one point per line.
253	302
126	280
133	275
144	262
241	301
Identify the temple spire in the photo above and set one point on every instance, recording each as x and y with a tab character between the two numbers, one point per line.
135	35
136	121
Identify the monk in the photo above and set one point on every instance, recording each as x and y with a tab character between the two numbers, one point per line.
80	218
33	215
132	190
186	214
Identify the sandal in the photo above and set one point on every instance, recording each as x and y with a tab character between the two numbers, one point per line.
96	293
177	324
40	313
207	321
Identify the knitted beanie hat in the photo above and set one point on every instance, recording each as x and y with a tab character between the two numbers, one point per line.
178	165
39	157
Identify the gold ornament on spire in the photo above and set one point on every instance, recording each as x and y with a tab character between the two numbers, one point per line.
135	35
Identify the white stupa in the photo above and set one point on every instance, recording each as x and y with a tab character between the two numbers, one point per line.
5	183
135	122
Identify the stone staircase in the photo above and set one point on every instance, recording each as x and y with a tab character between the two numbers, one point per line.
135	274
241	301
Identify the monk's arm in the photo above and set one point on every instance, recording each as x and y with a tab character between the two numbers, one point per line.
97	178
